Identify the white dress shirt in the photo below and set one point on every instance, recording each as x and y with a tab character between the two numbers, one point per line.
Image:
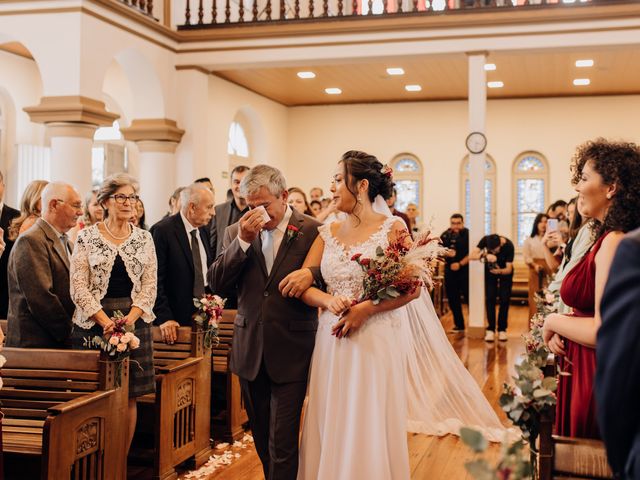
203	253
278	234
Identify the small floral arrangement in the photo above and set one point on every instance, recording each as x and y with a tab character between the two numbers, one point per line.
118	344
400	268
293	232
208	315
387	171
512	465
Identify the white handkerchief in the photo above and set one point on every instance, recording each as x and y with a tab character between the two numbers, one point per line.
265	215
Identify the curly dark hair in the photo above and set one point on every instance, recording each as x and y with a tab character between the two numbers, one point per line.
362	166
617	163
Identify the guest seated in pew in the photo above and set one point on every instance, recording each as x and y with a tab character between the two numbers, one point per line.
40	307
605	177
184	256
618	361
113	268
30	208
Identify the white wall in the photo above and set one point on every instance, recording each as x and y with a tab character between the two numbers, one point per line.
435	133
20	86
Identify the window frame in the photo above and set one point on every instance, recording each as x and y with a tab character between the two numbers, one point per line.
417	175
516	175
490	174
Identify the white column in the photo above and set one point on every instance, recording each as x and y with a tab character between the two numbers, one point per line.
157	177
71	145
477	116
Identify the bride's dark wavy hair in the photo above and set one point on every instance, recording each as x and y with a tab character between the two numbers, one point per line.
362	166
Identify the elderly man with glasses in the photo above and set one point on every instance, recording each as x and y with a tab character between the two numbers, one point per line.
40	306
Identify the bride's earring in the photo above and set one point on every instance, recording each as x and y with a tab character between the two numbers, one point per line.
359	198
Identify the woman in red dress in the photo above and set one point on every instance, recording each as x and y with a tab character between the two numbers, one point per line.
606	176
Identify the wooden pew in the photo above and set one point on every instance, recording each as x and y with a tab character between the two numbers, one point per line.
63	412
228	416
566	457
176	417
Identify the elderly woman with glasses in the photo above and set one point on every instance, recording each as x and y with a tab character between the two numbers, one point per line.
114	267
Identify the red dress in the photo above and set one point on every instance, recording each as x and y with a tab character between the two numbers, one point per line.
576	409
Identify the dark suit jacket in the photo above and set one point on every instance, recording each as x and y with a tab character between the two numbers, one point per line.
40	306
175	270
219	223
618	361
8	214
268	326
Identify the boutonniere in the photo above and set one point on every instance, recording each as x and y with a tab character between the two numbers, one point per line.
293	232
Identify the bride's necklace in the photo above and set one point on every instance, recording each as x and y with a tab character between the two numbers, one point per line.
113	236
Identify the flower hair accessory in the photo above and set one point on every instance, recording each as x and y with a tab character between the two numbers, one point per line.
387	171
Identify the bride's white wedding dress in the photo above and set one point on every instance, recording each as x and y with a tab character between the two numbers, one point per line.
397	373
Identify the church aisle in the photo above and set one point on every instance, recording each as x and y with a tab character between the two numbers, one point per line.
433	457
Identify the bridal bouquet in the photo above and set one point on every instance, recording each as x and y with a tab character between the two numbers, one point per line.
400	268
209	313
117	344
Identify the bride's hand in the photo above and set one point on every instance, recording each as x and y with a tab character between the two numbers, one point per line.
338	304
353	319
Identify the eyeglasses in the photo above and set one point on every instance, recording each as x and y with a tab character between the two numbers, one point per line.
120	198
77	206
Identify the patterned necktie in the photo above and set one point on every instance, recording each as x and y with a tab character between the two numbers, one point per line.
65	243
267	249
198	277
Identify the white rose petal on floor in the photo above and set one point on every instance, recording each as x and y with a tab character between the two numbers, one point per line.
218	460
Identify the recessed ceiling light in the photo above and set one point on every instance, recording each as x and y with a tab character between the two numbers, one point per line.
489	66
579	82
584	63
333	91
495	84
395	71
306	75
413	88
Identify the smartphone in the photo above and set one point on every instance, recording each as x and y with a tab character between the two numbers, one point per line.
552	225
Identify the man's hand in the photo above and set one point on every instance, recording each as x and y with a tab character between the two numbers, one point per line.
295	284
250	225
491	258
451	252
552	238
455	266
169	331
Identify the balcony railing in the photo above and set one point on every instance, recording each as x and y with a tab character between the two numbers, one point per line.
142	6
220	13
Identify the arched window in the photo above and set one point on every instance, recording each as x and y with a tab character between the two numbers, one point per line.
407	175
237	145
489	193
109	153
530	192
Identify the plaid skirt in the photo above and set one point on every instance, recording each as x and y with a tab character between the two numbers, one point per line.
141	374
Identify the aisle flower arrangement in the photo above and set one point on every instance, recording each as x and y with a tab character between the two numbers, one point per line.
208	314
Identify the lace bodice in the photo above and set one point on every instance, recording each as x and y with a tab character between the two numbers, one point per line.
91	265
342	275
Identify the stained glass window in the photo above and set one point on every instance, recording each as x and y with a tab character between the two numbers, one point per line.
407	175
489	195
530	193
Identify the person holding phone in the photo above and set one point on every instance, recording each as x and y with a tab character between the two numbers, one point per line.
534	256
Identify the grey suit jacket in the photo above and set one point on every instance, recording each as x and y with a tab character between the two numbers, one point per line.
40	306
268	326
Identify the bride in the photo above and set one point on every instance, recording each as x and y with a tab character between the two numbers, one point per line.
381	370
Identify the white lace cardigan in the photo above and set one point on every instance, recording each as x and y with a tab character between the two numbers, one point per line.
91	265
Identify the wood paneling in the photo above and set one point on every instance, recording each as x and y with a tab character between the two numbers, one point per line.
528	74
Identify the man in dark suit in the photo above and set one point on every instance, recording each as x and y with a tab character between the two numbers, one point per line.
40	306
7	214
273	335
617	385
229	212
182	248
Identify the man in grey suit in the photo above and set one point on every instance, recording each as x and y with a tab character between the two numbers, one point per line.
40	307
273	335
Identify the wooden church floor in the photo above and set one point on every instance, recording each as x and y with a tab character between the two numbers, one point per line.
435	458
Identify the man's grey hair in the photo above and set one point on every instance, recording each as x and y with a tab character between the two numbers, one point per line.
191	194
54	191
263	176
